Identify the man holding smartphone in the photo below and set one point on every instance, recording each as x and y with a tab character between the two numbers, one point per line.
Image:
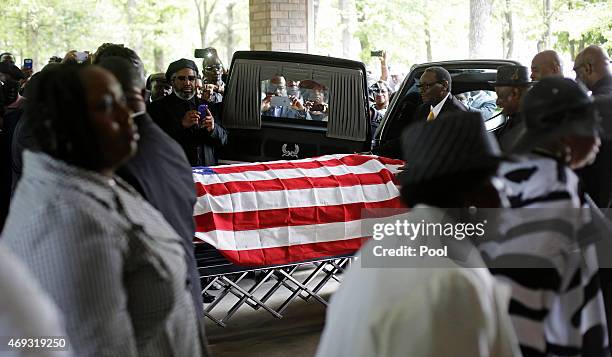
27	68
277	103
178	116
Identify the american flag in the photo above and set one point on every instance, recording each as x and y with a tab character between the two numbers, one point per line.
288	211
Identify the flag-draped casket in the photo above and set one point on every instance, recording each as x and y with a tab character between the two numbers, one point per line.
287	211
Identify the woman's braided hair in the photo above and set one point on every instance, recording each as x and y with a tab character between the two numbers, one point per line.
56	107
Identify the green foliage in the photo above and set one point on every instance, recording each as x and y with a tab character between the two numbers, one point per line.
399	26
43	28
410	30
582	23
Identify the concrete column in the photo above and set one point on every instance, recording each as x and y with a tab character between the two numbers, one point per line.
280	25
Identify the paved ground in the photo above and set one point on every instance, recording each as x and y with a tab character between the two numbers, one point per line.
257	333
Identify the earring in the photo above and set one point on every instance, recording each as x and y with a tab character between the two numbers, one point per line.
568	153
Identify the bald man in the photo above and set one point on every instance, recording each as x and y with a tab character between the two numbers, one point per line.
592	67
546	64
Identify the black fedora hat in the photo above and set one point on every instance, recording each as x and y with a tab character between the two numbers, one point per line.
454	143
555	107
512	75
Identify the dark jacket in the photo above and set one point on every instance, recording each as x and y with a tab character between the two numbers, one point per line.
508	133
161	173
451	104
198	143
393	147
597	177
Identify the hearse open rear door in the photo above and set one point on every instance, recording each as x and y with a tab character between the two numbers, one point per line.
291	106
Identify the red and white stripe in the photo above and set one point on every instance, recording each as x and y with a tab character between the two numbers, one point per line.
286	211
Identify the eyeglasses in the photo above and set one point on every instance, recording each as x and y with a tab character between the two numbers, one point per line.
380	91
426	86
272	88
184	78
212	68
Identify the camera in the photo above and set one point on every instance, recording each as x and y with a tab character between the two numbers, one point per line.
81	57
203	53
27	63
376	53
280	101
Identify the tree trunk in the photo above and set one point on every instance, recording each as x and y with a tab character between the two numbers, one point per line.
428	41
31	38
547	28
480	13
347	14
509	34
204	16
229	40
158	59
131	4
202	23
315	10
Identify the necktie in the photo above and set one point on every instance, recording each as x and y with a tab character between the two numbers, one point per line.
431	117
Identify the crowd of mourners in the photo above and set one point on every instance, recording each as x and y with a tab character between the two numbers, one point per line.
97	245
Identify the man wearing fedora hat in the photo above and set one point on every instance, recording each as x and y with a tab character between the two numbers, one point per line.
510	85
178	116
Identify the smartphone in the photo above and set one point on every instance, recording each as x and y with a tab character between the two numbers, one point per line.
376	53
202	110
278	101
27	63
81	57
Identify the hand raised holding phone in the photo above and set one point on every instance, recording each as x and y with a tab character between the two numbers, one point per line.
206	119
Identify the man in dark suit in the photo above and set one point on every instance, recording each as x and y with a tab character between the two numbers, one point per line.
592	67
435	89
511	84
178	116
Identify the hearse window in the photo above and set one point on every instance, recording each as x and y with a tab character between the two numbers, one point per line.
481	101
294	98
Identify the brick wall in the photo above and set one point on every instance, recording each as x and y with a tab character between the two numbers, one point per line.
279	25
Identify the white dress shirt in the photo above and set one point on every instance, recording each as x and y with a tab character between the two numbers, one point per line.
438	107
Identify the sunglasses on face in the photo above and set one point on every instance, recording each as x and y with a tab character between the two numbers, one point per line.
184	78
212	68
